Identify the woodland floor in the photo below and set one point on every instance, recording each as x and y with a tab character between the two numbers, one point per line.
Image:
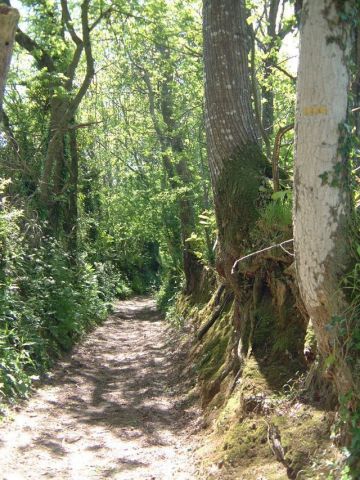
115	408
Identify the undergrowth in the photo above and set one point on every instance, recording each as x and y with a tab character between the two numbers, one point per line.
46	301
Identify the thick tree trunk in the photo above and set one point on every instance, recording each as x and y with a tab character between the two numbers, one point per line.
322	195
51	184
235	158
8	22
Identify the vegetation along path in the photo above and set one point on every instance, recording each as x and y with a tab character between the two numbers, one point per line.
114	409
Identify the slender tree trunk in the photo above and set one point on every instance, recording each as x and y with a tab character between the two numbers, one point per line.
268	96
51	185
322	194
169	137
356	83
71	217
267	91
191	264
8	22
235	158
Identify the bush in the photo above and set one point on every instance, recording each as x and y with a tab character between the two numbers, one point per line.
46	301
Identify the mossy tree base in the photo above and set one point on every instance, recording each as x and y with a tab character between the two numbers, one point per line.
250	364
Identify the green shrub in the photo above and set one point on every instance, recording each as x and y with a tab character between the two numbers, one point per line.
47	301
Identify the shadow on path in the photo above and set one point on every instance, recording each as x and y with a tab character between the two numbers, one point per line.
116	408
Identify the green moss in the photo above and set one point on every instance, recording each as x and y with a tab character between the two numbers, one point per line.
301	436
264	327
228	413
252	379
216	344
246	443
214	355
267	377
238	194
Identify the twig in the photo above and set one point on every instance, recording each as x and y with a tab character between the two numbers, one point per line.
285	72
257	105
276	154
281	245
84	125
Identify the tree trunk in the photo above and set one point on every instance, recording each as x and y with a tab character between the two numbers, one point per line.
170	138
356	83
268	96
8	22
235	159
322	194
192	265
71	215
272	50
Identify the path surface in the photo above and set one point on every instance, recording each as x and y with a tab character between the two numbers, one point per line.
114	409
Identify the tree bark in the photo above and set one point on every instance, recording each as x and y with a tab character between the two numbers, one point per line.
235	159
267	92
8	22
191	264
66	108
322	194
356	83
169	137
71	216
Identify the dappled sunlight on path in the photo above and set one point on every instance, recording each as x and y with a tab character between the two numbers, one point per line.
114	409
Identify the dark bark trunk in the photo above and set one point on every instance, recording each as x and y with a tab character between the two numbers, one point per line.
356	82
271	51
63	110
71	217
235	159
268	96
172	138
192	266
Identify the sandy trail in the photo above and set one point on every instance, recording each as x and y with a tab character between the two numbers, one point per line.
114	409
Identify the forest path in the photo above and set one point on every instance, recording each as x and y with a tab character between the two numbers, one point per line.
115	408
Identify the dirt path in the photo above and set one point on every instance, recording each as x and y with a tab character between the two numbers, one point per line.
115	409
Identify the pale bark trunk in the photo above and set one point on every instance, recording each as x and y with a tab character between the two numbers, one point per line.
8	22
322	199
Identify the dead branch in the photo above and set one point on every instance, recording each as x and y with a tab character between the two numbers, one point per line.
278	245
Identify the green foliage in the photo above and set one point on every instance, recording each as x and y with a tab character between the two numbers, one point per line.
275	222
170	286
128	205
46	302
345	330
202	240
